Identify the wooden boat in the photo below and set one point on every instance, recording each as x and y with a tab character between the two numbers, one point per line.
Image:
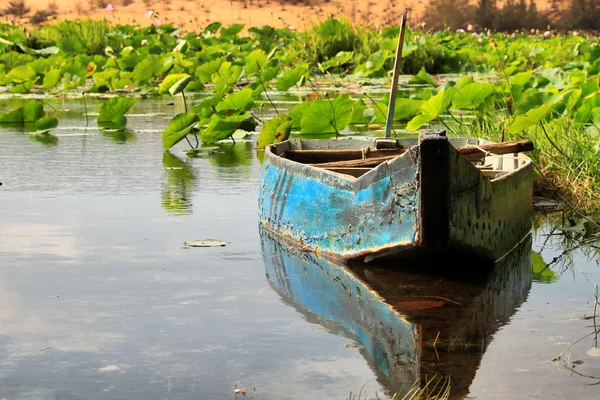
351	199
409	324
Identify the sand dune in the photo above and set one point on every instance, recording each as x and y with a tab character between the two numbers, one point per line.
194	15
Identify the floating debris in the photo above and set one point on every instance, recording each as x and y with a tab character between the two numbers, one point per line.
546	203
205	243
594	352
418	304
109	368
584	226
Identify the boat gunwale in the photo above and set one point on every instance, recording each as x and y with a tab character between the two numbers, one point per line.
338	181
369	177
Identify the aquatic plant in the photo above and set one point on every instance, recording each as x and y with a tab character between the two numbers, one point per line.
112	112
513	86
178	129
564	358
275	130
434	388
32	118
176	196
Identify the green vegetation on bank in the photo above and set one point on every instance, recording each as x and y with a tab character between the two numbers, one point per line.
540	86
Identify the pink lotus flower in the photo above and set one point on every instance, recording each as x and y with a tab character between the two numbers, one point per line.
480	40
469	27
144	42
157	22
110	7
474	34
460	31
149	14
547	34
575	33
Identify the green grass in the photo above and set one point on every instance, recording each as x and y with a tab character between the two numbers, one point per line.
322	41
434	388
565	156
92	33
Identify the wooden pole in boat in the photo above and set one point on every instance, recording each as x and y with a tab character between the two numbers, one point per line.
397	63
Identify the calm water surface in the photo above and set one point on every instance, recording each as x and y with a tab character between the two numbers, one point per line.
100	299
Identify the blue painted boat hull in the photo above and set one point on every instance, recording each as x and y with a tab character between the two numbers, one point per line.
416	201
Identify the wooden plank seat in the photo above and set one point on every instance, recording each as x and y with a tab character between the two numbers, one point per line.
322	156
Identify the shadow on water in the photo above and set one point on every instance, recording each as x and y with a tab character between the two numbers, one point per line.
29	131
232	154
46	138
177	193
411	323
120	136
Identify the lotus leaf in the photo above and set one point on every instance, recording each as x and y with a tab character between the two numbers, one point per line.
325	116
178	129
275	130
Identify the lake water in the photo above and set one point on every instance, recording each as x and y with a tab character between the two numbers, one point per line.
101	299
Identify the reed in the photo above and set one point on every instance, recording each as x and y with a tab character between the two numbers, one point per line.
565	156
322	41
434	388
92	33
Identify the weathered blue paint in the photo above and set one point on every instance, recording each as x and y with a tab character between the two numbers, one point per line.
430	198
330	295
339	214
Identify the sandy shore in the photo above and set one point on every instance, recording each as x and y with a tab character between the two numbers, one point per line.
194	15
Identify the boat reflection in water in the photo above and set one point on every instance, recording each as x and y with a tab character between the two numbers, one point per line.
412	322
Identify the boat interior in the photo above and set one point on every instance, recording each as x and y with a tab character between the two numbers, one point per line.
355	157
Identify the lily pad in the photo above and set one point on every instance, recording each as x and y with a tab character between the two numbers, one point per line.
275	130
112	113
240	101
255	62
220	128
422	78
240	134
30	112
45	124
178	129
324	116
20	74
292	77
180	85
205	243
432	108
530	118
